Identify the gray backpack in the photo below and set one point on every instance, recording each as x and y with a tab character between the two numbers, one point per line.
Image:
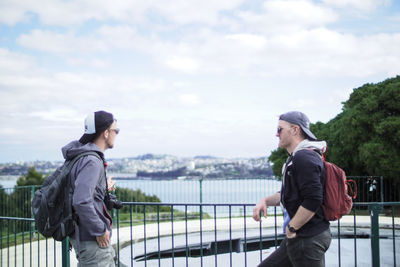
52	203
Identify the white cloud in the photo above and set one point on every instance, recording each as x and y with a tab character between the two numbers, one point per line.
251	41
189	99
52	42
57	115
363	5
281	17
10	61
64	13
183	64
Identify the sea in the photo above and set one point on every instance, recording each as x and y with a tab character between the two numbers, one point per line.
193	191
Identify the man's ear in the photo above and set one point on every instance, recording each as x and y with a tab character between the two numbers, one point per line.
105	134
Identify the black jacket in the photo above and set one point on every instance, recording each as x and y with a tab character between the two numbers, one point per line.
304	183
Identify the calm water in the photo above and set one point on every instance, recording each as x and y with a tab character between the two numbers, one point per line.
222	191
206	191
8	181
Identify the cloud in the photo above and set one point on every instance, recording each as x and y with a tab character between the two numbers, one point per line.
74	12
183	64
281	17
48	41
10	61
363	5
56	114
249	41
189	99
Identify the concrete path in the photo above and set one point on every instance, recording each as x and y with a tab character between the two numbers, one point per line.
48	253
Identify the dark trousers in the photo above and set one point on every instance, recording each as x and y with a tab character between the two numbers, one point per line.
300	251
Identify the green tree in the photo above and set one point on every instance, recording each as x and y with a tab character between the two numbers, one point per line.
364	139
31	178
129	195
278	158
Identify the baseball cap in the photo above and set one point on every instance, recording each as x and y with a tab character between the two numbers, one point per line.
300	119
95	123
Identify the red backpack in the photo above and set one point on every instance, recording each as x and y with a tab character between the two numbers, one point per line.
337	200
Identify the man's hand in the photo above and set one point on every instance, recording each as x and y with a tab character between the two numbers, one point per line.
289	234
104	240
110	184
260	207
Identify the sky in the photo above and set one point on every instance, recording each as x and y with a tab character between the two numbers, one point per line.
184	77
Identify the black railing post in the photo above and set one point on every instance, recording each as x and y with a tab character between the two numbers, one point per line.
382	196
375	209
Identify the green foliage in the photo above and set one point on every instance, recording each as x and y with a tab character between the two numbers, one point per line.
364	139
31	178
278	158
3	200
129	195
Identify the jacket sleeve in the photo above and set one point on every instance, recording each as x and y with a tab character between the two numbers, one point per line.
88	175
308	166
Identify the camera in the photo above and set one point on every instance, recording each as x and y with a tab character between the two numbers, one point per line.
112	202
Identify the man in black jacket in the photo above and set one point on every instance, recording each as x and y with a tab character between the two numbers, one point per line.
303	180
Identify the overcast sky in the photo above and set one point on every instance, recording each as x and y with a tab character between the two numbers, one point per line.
184	77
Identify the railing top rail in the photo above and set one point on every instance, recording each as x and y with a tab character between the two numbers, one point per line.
22	186
245	204
17	219
376	203
187	204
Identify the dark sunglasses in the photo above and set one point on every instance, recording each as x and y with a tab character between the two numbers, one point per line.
279	130
116	130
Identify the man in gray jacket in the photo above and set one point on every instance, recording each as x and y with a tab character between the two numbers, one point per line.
91	240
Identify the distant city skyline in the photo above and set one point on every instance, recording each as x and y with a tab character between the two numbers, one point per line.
184	78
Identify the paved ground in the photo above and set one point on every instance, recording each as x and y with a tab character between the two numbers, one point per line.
48	253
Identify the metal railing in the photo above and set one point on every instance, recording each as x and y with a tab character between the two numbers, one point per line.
16	201
173	234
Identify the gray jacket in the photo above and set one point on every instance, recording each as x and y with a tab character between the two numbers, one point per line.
89	191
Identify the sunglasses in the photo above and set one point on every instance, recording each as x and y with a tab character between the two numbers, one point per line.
116	130
279	130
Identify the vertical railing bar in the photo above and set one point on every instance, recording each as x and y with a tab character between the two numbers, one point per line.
230	234
1	241
172	235
186	236
47	255
23	243
201	235
260	226
15	242
394	237
245	235
339	249
144	235
55	252
30	245
158	235
38	247
131	232
374	211
118	257
8	242
276	228
355	237
215	237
